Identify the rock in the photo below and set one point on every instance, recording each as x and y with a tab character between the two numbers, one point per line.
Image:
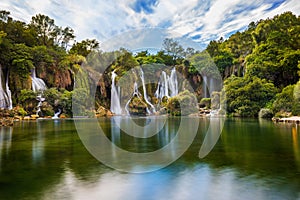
19	118
47	109
26	118
137	106
101	112
8	121
33	117
109	113
265	113
184	103
62	116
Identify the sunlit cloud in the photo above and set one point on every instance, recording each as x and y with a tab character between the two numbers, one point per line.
198	20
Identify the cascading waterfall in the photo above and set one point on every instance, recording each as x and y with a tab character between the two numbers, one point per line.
8	93
56	114
167	83
205	86
173	84
167	86
145	92
115	106
38	85
5	94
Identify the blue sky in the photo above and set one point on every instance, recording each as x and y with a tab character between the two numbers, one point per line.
147	22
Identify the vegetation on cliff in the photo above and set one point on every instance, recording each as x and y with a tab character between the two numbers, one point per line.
259	66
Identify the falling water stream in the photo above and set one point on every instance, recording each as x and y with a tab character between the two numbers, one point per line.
5	94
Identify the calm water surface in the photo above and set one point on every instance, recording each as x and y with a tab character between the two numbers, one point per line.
252	159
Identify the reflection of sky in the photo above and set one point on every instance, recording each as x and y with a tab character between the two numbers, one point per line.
200	182
200	20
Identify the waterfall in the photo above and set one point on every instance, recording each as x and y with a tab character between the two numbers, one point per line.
56	114
115	106
167	83
38	85
145	92
205	86
173	84
8	93
5	94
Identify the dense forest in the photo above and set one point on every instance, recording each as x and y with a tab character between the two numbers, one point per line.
259	66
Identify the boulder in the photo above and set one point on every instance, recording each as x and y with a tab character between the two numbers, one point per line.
137	106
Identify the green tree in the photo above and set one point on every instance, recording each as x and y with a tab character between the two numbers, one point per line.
173	48
246	97
85	47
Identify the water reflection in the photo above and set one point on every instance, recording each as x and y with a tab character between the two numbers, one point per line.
252	160
296	147
38	144
5	141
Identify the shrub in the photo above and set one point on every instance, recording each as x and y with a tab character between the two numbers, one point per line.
265	113
184	103
205	102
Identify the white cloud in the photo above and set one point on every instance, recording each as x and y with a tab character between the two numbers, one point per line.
104	20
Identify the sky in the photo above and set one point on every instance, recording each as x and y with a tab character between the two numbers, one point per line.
139	24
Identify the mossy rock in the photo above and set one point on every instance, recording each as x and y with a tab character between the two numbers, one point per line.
47	109
137	106
265	113
184	103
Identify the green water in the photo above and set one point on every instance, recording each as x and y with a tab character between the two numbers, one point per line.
252	160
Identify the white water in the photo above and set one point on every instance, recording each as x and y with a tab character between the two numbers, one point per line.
115	106
209	85
8	94
5	94
56	114
145	93
205	86
167	85
38	85
173	84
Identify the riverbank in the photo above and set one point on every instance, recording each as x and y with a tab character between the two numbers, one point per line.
292	120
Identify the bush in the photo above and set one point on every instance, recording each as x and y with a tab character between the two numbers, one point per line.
184	103
247	95
265	113
284	100
205	102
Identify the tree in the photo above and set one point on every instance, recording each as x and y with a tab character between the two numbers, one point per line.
173	48
50	34
85	47
4	15
246	97
45	28
284	100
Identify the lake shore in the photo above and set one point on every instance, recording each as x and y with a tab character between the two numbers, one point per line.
293	119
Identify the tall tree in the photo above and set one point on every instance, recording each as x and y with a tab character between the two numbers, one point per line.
173	48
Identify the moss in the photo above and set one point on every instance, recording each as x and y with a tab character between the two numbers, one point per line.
184	103
137	106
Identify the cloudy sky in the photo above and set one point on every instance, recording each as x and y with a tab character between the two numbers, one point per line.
150	20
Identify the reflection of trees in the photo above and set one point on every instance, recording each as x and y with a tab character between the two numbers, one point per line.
258	148
25	175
